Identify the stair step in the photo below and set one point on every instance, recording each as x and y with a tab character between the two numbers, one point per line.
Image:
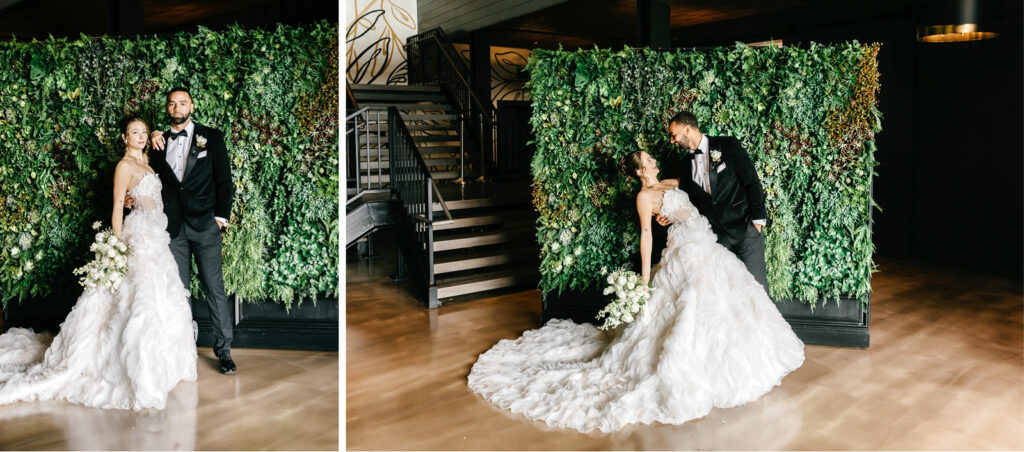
385	164
386	178
462	204
430	117
363	87
418	127
425	152
411	106
487	258
488	218
453	287
387	98
480	238
425	139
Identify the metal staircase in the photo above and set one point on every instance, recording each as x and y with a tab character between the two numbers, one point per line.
412	149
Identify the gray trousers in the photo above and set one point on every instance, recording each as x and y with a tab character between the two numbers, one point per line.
206	245
750	250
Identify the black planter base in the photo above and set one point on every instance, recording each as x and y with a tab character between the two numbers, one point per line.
257	325
840	324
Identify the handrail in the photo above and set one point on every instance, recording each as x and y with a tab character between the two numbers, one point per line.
425	65
355	170
412	182
432	34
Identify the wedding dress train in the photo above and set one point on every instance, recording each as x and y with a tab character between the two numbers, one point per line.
125	349
708	337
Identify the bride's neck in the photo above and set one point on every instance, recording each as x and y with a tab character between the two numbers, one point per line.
650	182
134	153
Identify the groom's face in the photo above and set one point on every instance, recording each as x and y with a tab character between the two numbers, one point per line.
680	135
179	107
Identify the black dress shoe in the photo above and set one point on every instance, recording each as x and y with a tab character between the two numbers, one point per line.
227	366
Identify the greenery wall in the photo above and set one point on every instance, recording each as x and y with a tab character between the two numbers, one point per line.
807	117
273	93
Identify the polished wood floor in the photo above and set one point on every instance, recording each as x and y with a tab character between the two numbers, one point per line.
278	400
945	371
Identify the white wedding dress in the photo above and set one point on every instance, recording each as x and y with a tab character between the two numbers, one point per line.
125	349
708	337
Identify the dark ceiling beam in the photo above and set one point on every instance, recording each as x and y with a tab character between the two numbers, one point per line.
124	18
653	26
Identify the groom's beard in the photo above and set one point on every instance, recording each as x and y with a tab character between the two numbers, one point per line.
180	120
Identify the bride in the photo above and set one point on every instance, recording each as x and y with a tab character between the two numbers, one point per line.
126	348
708	337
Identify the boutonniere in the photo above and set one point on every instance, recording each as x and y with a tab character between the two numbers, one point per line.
716	156
201	141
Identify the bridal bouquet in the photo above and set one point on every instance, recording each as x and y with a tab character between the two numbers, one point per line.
110	264
631	295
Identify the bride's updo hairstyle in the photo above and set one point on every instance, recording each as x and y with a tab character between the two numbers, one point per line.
630	163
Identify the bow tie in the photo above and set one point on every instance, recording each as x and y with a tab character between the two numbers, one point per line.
173	135
696	152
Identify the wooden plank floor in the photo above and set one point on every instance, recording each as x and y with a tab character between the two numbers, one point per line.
945	371
278	400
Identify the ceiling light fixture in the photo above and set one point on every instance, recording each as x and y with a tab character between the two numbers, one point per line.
960	20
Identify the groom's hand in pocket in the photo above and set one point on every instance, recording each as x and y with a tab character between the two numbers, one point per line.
663	220
129	202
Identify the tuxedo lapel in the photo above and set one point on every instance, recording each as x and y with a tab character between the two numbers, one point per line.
190	162
712	174
687	177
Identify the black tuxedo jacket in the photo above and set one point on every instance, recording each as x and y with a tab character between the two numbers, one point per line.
736	198
205	191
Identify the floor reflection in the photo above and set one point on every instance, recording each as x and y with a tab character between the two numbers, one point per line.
84	428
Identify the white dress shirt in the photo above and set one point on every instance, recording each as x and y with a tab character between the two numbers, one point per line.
700	164
177	151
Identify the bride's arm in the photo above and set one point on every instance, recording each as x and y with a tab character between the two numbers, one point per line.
645	209
122	175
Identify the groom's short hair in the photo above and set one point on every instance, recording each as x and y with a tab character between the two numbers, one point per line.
179	89
685	118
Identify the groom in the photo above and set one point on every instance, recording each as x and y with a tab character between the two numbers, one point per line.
197	192
720	179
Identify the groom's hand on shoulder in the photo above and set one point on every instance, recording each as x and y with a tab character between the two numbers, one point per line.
156	139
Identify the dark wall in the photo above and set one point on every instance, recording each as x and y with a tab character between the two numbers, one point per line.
950	154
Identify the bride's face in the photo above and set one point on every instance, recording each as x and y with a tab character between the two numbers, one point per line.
136	136
648	165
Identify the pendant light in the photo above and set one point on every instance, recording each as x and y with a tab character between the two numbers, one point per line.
954	21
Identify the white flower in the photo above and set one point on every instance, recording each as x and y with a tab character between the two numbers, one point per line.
96	225
578	251
716	156
555	246
201	141
568	260
15	251
112	240
621	281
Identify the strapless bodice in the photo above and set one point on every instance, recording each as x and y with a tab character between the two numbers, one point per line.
147	193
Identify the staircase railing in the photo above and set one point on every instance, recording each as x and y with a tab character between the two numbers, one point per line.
433	58
416	190
366	123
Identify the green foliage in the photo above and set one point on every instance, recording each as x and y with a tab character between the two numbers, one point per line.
807	117
272	92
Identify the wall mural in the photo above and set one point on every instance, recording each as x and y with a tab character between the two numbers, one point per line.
508	80
375	40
